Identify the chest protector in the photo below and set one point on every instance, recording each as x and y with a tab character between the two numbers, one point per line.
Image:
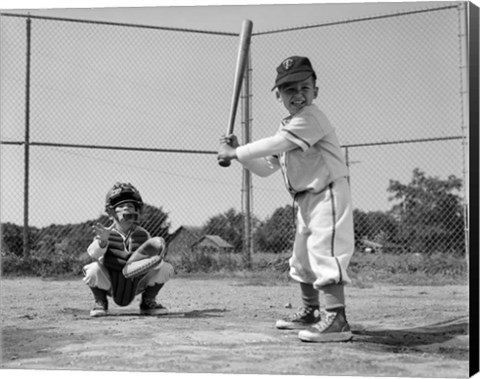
115	258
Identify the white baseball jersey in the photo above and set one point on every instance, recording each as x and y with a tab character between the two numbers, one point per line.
319	161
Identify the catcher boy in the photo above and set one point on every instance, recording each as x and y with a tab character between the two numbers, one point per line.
121	246
306	150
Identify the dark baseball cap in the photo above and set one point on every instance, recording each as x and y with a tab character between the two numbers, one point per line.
294	69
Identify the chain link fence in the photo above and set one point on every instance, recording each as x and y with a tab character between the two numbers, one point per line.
86	104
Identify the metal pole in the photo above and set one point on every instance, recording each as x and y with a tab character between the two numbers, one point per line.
247	176
26	244
464	99
347	162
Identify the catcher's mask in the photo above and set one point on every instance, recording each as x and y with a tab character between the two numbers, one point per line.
122	193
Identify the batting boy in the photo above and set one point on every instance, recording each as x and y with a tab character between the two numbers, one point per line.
306	150
111	248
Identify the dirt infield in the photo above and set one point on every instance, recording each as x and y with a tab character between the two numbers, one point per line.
227	326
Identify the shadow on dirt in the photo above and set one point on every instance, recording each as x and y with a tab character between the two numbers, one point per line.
448	337
202	313
435	333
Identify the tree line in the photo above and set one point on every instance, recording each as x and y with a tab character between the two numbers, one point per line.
427	217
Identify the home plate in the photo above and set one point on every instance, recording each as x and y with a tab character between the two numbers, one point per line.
223	337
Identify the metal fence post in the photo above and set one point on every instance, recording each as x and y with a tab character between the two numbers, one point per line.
26	244
247	176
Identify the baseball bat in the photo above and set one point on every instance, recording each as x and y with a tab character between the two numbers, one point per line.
243	47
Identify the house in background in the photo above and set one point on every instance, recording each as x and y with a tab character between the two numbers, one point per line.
212	244
181	240
189	240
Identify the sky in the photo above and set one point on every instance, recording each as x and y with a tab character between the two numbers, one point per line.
226	17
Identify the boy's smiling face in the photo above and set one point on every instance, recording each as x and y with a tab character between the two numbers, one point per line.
297	95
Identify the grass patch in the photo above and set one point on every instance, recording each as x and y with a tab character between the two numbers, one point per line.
365	270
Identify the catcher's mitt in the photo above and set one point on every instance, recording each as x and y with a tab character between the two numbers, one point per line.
147	256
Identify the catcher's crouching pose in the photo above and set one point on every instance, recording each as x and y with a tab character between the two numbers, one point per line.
128	261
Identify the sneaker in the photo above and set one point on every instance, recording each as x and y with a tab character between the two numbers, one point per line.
152	308
332	328
100	309
305	317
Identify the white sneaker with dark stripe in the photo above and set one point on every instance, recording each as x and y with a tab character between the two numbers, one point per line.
332	328
304	317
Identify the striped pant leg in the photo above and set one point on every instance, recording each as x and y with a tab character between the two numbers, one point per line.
324	241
